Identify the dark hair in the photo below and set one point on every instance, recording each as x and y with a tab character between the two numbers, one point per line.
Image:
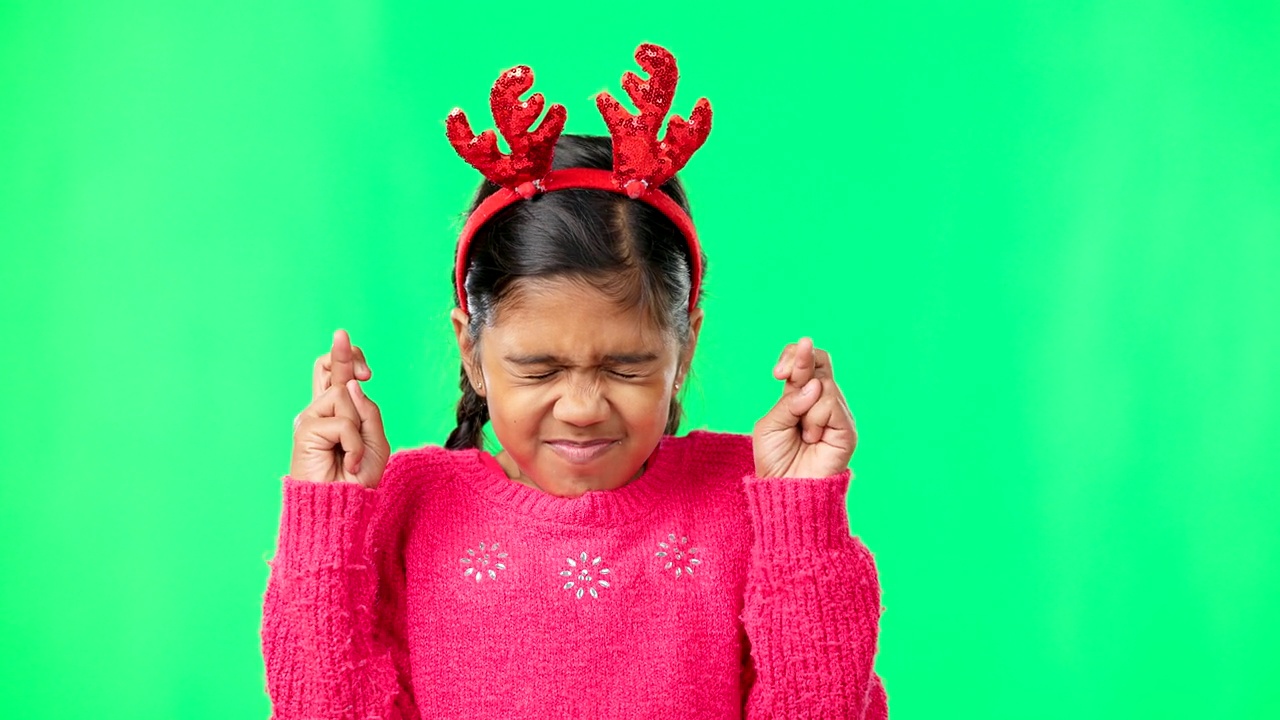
623	247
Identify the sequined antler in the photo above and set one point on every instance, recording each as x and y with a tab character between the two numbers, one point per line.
640	160
531	151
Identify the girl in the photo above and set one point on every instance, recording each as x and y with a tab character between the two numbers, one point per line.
598	565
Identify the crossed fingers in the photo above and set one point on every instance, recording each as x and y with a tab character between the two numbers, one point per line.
342	363
801	362
811	393
337	367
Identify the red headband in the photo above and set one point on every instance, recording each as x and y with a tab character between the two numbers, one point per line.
641	162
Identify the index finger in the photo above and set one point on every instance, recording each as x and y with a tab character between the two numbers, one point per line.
343	368
783	367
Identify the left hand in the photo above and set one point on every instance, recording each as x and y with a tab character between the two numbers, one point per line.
810	433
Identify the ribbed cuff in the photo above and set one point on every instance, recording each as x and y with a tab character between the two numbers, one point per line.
322	525
793	517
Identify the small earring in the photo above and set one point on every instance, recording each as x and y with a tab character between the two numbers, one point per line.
479	385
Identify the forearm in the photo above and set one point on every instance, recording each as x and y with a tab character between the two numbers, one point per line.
813	603
327	636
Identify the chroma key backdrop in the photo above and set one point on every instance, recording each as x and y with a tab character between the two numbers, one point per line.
1040	240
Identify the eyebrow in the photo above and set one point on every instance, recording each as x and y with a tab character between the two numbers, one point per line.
545	359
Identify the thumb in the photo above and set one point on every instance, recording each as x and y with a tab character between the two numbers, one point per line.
791	407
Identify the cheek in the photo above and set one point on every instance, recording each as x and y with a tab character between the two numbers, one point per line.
643	406
516	409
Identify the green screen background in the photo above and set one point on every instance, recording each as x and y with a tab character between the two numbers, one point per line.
1040	243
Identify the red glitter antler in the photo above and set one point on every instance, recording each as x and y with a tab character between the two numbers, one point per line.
531	152
640	160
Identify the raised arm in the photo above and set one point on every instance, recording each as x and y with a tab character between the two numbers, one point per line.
812	607
333	615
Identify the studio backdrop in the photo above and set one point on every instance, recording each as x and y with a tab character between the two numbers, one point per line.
1041	242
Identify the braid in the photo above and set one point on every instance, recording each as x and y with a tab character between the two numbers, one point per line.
473	413
673	416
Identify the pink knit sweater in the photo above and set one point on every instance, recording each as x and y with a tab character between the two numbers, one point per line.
695	591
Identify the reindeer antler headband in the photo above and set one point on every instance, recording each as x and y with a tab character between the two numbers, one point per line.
641	161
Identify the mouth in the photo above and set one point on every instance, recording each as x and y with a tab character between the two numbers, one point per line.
581	453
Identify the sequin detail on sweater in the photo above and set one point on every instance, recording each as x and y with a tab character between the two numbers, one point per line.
479	565
586	576
676	554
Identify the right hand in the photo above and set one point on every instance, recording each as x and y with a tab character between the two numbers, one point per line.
339	436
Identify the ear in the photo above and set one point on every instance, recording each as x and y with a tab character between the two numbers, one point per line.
467	349
686	356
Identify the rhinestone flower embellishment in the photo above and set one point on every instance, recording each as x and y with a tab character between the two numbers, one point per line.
585	575
677	554
484	562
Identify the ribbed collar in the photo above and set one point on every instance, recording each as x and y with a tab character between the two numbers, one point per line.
594	508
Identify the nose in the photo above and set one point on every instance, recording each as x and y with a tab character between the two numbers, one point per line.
581	404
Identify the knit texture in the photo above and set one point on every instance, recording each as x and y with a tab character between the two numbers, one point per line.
695	591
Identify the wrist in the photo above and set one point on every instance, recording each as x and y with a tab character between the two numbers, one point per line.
797	515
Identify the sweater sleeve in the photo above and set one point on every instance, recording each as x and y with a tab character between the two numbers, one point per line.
812	607
333	613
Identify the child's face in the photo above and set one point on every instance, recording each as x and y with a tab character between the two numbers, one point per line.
578	388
